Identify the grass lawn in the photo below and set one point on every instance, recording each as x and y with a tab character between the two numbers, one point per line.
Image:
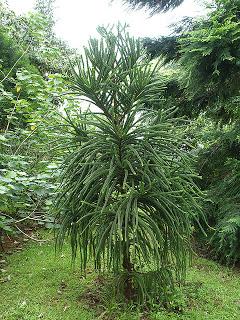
37	285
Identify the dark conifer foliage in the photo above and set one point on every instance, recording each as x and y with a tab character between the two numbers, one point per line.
154	6
168	47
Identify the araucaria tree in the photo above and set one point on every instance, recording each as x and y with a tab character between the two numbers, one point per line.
127	196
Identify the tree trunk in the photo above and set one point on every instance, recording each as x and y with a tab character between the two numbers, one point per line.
129	291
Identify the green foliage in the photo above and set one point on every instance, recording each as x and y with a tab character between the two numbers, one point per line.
46	9
29	120
154	6
11	55
226	210
33	34
210	54
226	239
28	182
201	79
12	58
165	46
206	53
127	197
219	165
5	222
28	172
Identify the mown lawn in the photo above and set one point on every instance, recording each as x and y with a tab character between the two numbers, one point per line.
37	285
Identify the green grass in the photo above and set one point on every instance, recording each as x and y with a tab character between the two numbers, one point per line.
37	285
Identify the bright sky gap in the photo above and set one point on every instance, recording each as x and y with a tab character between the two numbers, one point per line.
77	19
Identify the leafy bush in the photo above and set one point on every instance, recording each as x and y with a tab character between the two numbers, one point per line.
29	119
226	239
219	165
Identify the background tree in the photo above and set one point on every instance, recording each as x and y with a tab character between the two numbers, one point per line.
29	121
46	8
201	72
155	6
210	68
